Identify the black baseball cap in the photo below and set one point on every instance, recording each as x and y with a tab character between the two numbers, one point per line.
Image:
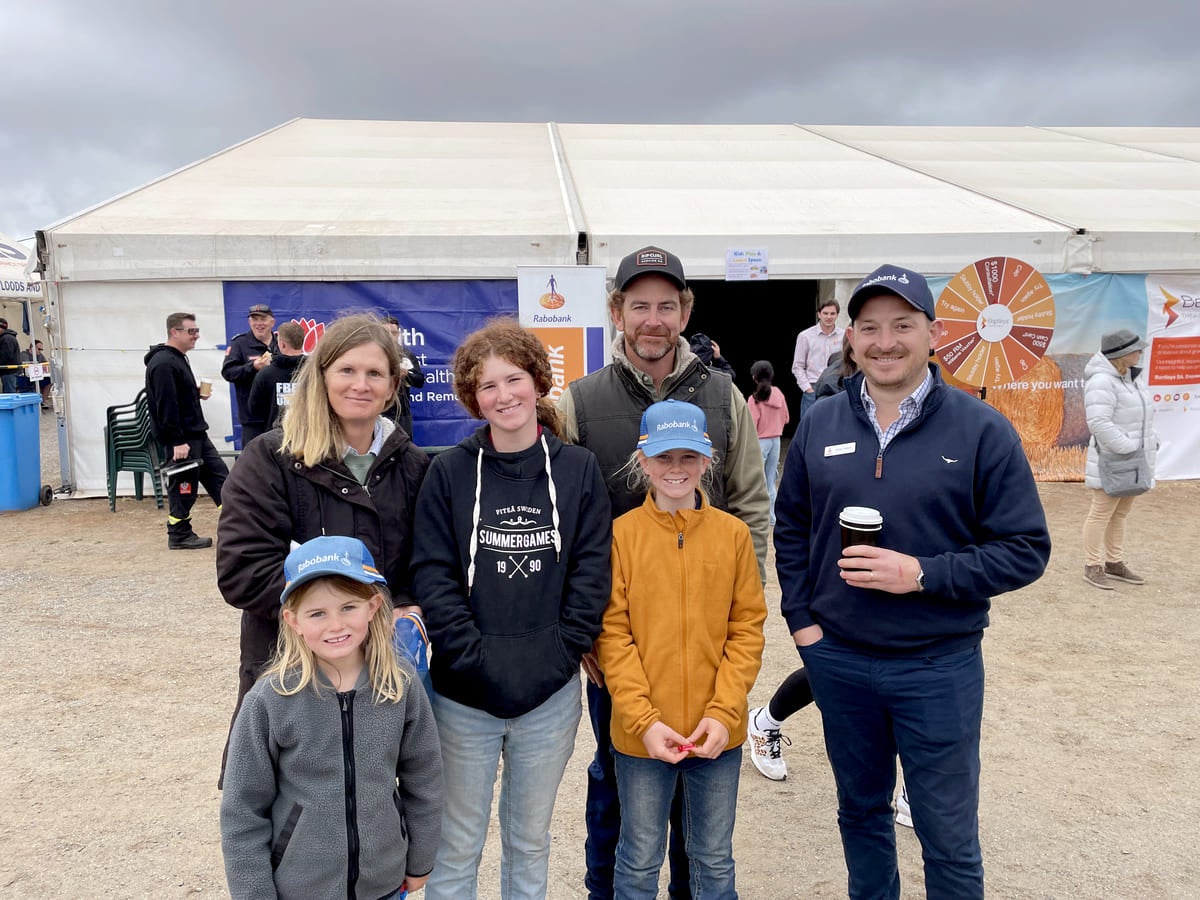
261	309
649	261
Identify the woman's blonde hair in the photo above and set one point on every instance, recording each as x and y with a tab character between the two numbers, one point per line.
505	339
311	431
294	666
1120	365
638	481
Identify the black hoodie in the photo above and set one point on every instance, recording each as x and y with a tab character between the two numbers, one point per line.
174	399
511	566
262	406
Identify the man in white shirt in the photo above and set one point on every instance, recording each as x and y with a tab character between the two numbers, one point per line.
813	348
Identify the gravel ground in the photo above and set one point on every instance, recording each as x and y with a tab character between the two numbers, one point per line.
120	664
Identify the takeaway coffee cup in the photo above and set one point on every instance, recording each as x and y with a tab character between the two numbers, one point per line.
860	525
205	388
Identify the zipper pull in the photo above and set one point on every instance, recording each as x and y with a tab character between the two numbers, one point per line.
681	540
879	465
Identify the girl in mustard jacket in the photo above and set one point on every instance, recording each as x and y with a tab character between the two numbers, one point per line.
681	646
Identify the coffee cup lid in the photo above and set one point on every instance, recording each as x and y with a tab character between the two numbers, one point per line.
862	516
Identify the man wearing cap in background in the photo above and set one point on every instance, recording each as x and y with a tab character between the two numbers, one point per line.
650	304
272	387
890	635
246	354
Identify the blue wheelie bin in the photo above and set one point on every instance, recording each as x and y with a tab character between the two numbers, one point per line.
20	451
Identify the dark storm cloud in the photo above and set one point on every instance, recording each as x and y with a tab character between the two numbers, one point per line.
101	98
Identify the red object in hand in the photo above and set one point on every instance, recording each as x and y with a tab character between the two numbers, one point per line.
686	747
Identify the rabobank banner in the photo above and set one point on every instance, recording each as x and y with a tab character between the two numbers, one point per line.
434	317
1044	399
567	306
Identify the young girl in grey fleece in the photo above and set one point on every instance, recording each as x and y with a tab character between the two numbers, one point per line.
333	786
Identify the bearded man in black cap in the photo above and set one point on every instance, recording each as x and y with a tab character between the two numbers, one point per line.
650	304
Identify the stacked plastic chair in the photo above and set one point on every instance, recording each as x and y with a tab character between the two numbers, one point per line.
132	447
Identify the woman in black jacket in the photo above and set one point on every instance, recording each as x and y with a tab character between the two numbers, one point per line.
336	466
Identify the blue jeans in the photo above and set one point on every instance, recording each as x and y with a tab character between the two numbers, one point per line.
535	748
602	812
928	710
807	399
8	384
770	455
646	788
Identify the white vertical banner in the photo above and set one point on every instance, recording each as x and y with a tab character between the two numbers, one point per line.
568	308
1172	364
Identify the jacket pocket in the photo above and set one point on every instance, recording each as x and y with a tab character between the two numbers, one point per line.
399	801
285	835
526	669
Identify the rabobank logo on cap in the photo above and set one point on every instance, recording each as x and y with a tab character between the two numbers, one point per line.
329	555
674	425
902	278
344	560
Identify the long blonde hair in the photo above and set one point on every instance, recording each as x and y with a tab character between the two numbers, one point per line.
638	481
311	431
294	666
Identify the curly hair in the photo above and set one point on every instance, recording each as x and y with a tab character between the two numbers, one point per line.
504	338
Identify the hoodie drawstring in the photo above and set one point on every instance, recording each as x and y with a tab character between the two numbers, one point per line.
553	502
475	520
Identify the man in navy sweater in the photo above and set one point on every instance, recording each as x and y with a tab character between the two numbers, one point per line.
891	634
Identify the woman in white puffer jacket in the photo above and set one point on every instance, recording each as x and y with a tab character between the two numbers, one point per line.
1120	416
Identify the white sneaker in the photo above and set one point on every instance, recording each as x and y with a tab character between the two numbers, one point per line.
765	749
903	811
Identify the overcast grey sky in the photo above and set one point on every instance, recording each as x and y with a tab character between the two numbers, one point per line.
99	98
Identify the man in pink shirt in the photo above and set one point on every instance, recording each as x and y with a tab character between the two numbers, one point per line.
813	348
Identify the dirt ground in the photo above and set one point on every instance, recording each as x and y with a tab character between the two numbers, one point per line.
120	677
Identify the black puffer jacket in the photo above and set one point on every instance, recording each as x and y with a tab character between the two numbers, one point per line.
271	500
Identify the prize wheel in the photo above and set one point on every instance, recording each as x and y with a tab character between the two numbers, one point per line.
999	318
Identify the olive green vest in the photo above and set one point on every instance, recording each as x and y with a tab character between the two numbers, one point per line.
608	416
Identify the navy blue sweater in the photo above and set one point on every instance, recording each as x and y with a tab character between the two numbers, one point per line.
955	491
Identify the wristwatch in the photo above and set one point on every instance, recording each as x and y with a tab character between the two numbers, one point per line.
920	580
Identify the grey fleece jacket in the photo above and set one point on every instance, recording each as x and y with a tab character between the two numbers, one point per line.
330	795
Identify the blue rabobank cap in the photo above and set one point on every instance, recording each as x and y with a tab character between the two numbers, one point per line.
329	555
904	283
674	425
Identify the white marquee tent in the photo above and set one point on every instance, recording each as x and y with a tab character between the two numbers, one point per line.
325	200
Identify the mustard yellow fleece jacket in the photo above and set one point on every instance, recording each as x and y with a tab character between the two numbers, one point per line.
683	632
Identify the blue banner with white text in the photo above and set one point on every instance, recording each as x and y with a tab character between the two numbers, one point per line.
434	317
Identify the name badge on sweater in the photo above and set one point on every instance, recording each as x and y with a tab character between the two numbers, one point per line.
839	449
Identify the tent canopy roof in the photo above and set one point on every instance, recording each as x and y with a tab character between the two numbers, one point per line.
332	199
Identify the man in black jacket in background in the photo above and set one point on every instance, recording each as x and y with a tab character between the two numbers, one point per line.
179	424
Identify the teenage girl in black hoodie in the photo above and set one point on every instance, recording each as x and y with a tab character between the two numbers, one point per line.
511	566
